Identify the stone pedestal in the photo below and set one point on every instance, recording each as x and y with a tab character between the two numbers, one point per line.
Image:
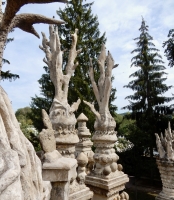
166	169
107	189
60	174
81	192
107	179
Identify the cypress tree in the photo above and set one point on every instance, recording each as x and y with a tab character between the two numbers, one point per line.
78	15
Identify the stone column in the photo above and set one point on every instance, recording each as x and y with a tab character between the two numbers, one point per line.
56	169
62	114
60	174
165	162
84	145
106	180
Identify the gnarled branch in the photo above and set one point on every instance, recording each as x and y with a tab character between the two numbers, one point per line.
26	21
13	7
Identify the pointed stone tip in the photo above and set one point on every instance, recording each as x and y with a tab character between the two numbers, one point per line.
82	117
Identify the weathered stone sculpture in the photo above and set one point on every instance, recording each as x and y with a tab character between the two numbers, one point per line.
20	168
165	162
84	145
61	113
57	169
106	180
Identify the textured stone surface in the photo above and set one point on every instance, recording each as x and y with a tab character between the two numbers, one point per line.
106	169
165	163
84	145
61	113
20	168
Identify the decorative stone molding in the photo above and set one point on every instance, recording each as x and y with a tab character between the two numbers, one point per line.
165	162
106	169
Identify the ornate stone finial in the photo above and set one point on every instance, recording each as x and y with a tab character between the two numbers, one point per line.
105	136
165	144
48	140
165	162
85	143
82	161
104	120
61	113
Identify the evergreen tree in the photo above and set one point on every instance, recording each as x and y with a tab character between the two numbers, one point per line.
78	15
6	75
169	51
44	102
148	86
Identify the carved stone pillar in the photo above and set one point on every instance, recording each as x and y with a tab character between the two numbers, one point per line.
166	169
165	162
62	114
84	145
56	169
106	180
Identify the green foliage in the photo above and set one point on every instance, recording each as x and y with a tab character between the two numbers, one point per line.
44	102
148	85
6	75
76	15
169	50
26	125
148	88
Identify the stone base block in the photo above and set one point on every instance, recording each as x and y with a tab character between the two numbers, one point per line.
106	189
84	194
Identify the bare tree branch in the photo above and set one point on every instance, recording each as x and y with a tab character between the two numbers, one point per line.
26	21
13	7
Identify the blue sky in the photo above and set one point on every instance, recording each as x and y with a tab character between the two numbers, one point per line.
119	19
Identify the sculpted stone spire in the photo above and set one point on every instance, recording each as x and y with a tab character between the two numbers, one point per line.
61	113
165	162
104	138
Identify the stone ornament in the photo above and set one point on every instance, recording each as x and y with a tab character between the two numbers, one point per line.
61	113
104	137
107	178
20	168
82	161
84	145
165	163
48	140
165	144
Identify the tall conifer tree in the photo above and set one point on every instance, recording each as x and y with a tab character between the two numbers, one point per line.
148	85
78	15
169	48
